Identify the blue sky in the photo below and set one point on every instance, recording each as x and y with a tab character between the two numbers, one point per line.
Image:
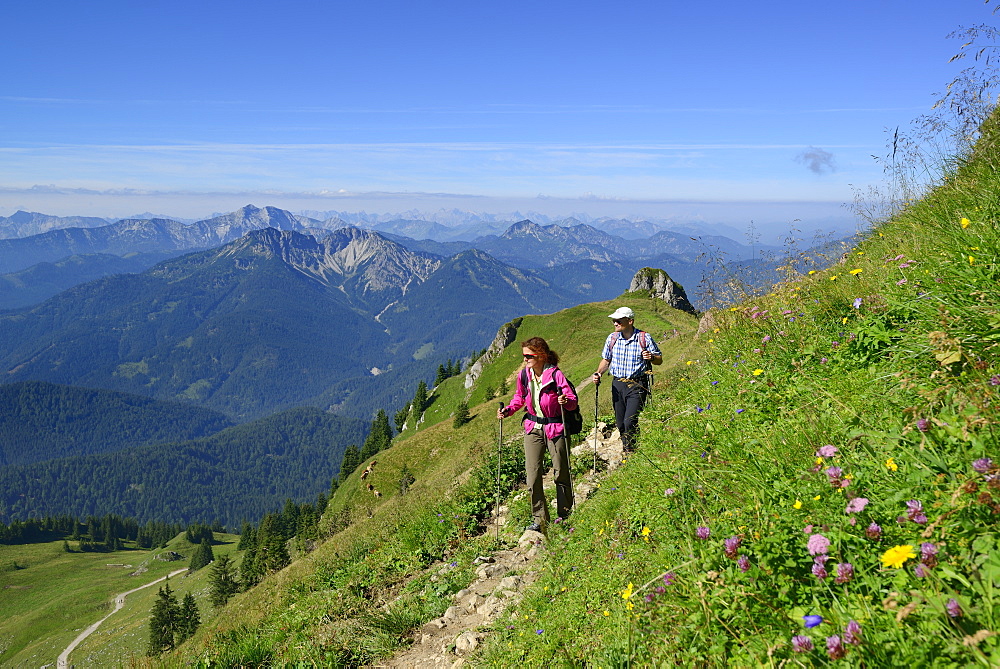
724	111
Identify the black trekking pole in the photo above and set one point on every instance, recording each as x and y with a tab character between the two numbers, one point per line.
569	460
499	447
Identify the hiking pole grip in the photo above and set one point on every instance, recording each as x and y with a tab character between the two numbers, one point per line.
499	449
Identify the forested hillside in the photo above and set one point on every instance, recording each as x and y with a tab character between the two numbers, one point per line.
44	421
238	474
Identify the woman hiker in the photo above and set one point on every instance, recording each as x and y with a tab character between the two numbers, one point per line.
544	392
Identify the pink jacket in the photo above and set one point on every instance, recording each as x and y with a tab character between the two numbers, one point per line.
554	383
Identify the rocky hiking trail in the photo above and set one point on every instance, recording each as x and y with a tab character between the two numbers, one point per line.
501	578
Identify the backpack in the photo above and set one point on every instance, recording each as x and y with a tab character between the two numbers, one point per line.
618	335
572	419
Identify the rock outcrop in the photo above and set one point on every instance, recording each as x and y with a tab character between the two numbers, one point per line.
505	335
660	286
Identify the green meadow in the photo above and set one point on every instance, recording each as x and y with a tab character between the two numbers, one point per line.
50	596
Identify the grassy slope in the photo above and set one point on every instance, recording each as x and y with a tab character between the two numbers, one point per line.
55	595
891	358
338	589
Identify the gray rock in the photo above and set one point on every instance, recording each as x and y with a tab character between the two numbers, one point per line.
662	287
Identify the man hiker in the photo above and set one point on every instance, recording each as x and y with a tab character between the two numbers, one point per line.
628	354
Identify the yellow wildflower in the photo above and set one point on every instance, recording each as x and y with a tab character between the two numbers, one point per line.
965	223
897	555
816	498
811	272
819	460
758	372
710	341
833	278
646	532
843	320
797	505
971	260
606	612
891	464
855	272
627	592
689	362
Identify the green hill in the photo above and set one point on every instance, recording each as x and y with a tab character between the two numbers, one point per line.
43	421
237	474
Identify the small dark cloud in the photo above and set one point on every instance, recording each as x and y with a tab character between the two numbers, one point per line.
817	160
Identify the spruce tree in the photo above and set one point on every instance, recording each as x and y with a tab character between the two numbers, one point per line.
461	414
163	622
399	418
379	438
419	400
222	583
442	374
352	458
187	618
202	556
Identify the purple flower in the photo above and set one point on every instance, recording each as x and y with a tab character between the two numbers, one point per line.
819	569
669	491
845	572
802	644
901	282
852	633
539	631
827	451
818	545
954	608
873	531
835	648
743	563
823	361
702	533
731	546
923	424
856	505
834	474
834	344
915	512
920	570
668	578
928	554
995	380
812	621
857	303
766	339
982	465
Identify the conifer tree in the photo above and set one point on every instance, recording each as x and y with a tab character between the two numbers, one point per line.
442	374
188	619
406	479
202	556
379	438
163	622
504	387
352	458
461	414
399	418
222	583
419	400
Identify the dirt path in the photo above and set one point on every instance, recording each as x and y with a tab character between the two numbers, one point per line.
500	580
63	661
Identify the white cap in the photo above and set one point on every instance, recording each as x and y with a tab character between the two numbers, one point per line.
622	312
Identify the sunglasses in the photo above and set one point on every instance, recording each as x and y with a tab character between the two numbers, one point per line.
528	356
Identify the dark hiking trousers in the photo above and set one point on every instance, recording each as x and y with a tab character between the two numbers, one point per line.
628	397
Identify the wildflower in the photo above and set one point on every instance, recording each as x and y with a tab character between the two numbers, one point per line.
915	512
982	465
539	631
856	505
873	531
995	380
852	633
669	491
845	572
891	465
730	546
923	424
811	621
766	339
811	272
702	533
835	648
819	569
822	361
965	223
901	282
797	505
954	608
833	278
645	533
668	578
897	555
758	372
855	272
972	261
627	592
834	474
857	303
928	554
801	644
818	545
827	451
743	563
921	571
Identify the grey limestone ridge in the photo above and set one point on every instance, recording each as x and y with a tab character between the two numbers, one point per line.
505	336
660	286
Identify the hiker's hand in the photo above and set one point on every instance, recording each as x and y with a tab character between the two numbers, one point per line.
562	399
597	378
500	414
646	355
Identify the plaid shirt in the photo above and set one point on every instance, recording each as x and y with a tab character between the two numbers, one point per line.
626	356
